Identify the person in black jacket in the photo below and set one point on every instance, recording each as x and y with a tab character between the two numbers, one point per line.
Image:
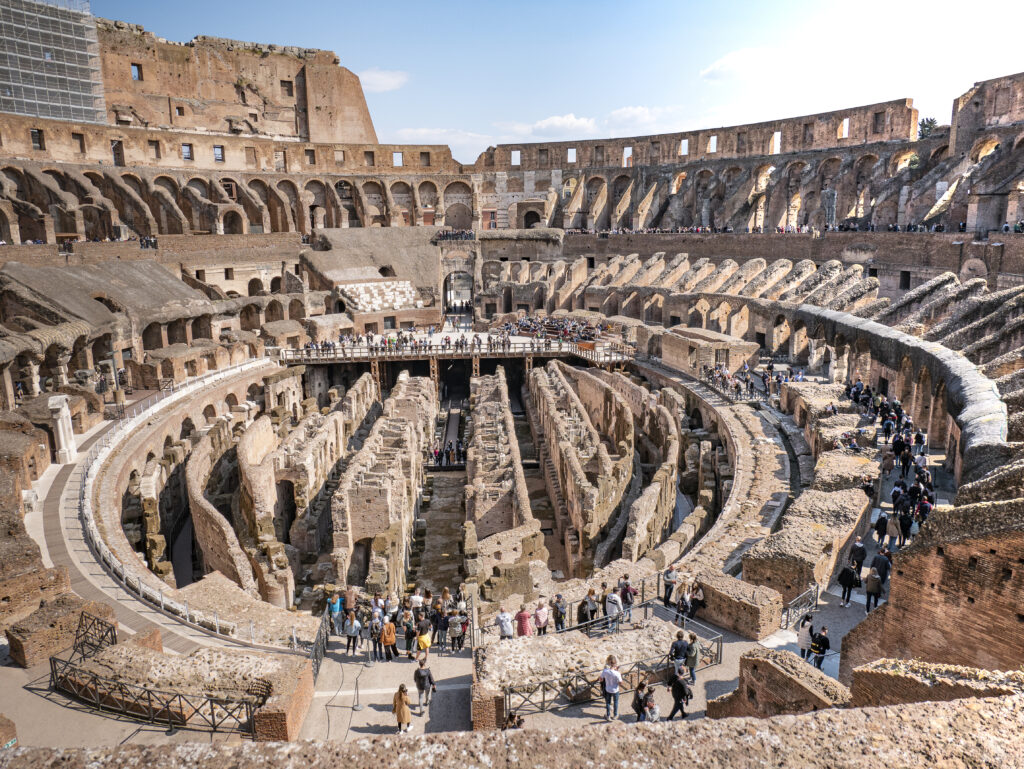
882	563
678	650
820	646
681	696
858	553
848	579
425	685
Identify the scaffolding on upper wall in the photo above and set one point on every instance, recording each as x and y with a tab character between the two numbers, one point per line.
50	60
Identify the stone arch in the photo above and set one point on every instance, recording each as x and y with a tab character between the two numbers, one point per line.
374	204
984	147
209	413
255	287
231	400
202	327
531	219
249	318
906	386
923	400
319	205
401	195
296	310
275	285
152	337
274	311
177	331
720	317
780	334
292	200
458	216
677	182
798	343
739	322
232	223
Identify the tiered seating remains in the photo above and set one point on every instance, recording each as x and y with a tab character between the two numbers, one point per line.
381	295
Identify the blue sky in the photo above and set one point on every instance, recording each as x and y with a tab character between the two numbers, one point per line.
474	74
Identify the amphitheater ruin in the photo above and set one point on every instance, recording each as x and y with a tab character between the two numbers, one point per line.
255	363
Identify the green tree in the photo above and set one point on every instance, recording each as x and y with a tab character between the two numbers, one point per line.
925	126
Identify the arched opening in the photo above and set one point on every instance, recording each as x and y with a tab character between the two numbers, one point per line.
696	420
284	511
254	394
202	327
233	223
387	271
531	219
187	428
274	311
209	413
249	318
458	216
275	285
176	331
231	400
255	287
296	309
458	292
152	337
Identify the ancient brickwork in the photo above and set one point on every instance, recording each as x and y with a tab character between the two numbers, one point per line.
374	506
897	682
51	628
775	683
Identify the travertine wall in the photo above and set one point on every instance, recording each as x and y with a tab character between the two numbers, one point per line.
375	504
775	683
589	433
897	682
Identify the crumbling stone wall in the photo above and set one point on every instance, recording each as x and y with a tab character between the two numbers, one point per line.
773	682
897	682
51	628
374	506
593	457
955	594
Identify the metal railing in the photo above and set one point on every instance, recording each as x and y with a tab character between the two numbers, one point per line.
609	353
319	647
807	601
93	635
175	709
130	418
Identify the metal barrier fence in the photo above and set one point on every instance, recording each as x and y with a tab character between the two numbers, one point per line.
319	647
140	703
128	420
93	635
805	602
611	353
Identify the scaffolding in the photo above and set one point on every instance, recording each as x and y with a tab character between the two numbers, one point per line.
50	60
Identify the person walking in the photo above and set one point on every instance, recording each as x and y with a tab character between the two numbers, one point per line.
847	579
804	634
389	639
611	679
820	646
677	652
613	608
858	554
334	606
504	623
400	707
628	594
424	628
560	609
425	685
408	621
352	627
376	631
872	589
681	695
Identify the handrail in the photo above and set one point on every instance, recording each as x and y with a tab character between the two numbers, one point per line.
126	423
611	353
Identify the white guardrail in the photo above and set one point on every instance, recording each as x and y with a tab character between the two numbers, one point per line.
131	419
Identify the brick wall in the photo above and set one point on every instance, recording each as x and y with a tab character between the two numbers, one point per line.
51	628
281	718
876	686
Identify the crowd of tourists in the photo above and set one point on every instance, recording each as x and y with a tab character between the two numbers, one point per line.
456	235
743	383
562	328
452	453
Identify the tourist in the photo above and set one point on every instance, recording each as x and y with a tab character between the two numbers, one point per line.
804	634
352	627
613	608
881	561
424	628
408	622
456	632
376	631
671	579
643	701
425	685
442	628
820	646
627	593
858	553
696	600
681	695
388	639
540	617
892	526
848	580
610	681
872	589
692	656
504	623
400	707
589	604
334	607
559	609
881	525
522	618
677	652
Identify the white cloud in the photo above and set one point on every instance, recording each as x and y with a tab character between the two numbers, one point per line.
465	145
550	128
376	80
743	62
639	120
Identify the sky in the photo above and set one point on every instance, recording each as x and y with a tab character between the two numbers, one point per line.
473	74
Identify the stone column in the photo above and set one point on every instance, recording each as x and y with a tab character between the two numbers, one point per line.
62	369
63	433
7	390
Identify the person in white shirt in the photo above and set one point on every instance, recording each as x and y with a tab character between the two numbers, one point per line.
504	623
611	679
613	608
